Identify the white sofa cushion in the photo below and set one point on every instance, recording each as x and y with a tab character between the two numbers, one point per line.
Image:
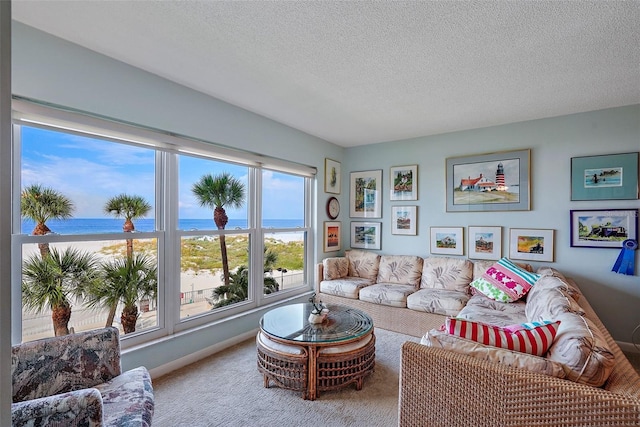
335	268
348	287
400	269
439	301
387	294
482	309
439	339
363	264
453	274
548	298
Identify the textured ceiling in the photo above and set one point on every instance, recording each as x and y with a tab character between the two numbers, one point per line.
365	72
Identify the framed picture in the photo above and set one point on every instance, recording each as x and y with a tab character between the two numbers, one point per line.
404	182
607	177
365	199
365	235
404	220
447	240
484	242
603	228
332	236
489	182
531	244
332	175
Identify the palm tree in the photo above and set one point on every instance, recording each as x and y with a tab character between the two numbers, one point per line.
51	282
127	280
41	204
218	192
129	208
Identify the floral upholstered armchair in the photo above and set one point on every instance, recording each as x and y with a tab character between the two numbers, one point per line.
76	380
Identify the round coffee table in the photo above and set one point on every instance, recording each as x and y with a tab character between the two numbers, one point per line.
308	357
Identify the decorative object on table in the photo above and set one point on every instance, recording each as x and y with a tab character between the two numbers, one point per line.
332	175
603	228
319	312
447	240
531	244
484	242
404	182
489	182
605	177
333	208
626	261
365	235
365	197
332	236
404	220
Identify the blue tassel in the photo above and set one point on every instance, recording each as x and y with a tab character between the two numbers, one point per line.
625	264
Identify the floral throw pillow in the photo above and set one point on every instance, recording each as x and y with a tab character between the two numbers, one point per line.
505	282
532	338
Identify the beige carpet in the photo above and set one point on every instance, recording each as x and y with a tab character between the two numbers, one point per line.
226	390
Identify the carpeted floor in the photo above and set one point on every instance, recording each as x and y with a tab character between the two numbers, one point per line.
226	390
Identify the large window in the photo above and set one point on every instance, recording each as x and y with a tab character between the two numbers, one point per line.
147	236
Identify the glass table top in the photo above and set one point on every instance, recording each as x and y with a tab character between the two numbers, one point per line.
290	322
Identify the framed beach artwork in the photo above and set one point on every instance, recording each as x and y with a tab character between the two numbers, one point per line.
365	235
404	182
332	176
332	236
489	182
365	198
484	242
531	244
603	228
447	240
606	177
404	220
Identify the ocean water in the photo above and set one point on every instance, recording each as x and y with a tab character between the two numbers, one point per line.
114	225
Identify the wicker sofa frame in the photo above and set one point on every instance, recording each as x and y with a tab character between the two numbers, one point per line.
443	388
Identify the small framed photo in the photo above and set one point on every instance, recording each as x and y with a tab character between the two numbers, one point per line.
607	177
404	220
365	198
332	175
531	244
447	240
332	236
484	242
365	235
603	228
404	182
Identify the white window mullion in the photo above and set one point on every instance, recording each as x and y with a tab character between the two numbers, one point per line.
169	295
254	198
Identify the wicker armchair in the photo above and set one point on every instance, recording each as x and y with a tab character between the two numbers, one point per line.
442	388
76	380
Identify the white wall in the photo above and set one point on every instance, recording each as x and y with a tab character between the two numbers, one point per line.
615	297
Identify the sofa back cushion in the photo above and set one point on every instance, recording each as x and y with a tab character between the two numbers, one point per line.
548	298
400	270
335	268
363	264
583	350
449	273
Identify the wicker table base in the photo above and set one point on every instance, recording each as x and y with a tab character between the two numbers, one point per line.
311	368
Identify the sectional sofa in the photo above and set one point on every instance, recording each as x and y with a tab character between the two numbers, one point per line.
564	368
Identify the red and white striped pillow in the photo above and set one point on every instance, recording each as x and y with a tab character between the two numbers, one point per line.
533	338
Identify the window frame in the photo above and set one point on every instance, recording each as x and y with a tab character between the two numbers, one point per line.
167	148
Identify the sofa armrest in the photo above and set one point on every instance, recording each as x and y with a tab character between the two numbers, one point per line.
80	407
443	388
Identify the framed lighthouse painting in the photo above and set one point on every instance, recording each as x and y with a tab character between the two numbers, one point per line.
489	182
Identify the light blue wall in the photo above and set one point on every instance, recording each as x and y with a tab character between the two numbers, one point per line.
553	142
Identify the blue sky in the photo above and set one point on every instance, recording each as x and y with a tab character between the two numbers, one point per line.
89	171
